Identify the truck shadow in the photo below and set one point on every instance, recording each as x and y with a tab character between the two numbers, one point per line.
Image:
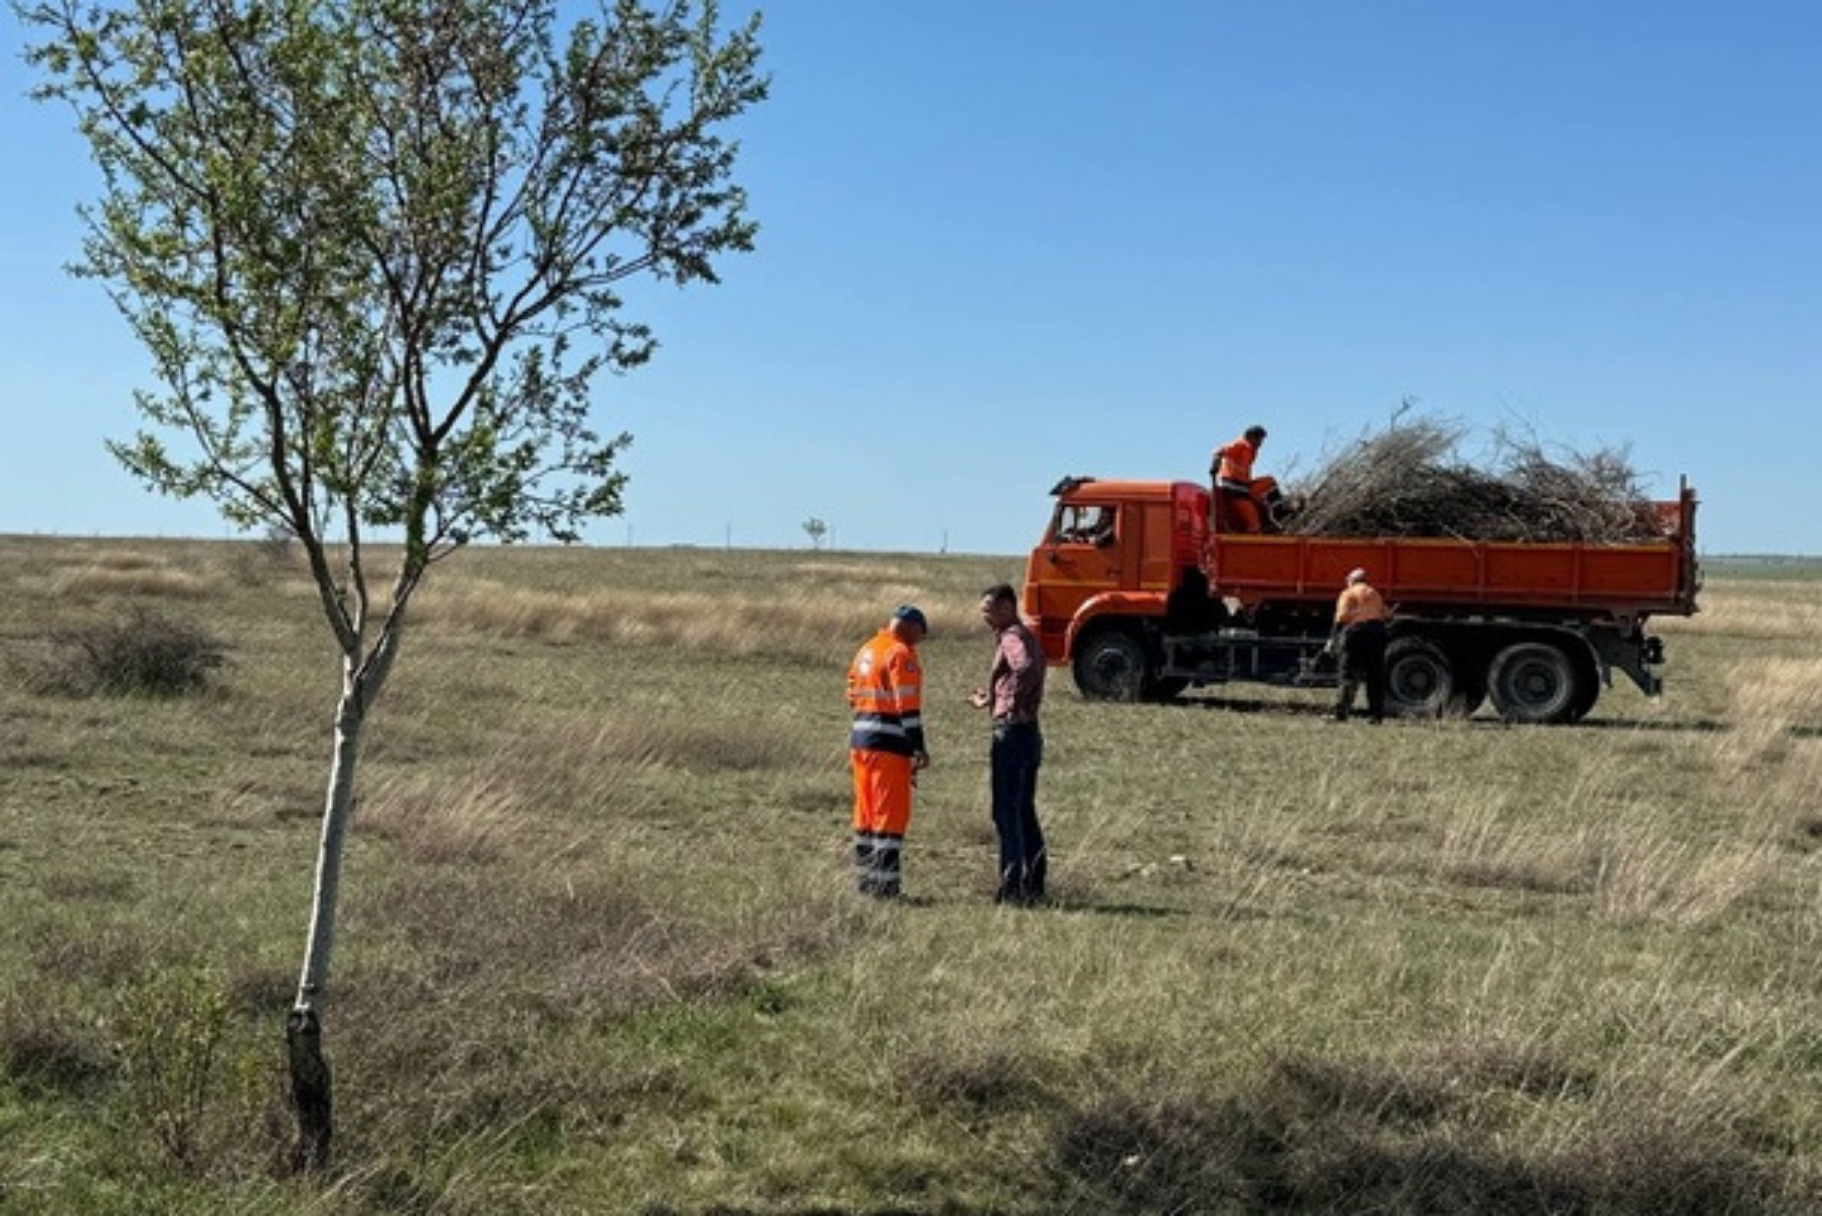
1250	705
1480	721
1087	904
1696	726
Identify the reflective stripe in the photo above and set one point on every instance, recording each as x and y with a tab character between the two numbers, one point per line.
877	862
874	741
904	695
885	687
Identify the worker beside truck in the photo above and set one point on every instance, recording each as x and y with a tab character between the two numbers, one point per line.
1358	645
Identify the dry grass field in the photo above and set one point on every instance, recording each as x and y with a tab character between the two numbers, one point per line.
599	951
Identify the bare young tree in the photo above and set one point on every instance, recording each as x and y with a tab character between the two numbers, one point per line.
376	250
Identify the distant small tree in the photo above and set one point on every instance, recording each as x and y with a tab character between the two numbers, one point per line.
816	530
363	243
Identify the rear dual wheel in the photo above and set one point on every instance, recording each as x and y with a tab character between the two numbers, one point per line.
1537	683
1423	681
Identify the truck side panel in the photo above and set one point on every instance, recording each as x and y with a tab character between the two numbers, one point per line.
1617	580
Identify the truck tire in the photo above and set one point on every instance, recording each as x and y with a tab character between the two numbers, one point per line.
1534	683
1112	666
1420	680
1587	692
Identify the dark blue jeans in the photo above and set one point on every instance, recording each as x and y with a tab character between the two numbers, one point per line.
1014	758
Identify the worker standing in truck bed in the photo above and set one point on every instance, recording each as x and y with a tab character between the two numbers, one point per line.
1232	469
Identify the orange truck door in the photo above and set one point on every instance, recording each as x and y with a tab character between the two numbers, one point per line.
1092	548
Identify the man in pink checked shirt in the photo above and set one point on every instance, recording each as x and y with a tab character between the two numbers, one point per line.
1014	693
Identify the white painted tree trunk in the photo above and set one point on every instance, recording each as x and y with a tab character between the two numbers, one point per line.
310	1079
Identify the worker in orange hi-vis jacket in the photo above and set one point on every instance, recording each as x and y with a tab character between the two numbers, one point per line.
1361	618
886	746
1232	469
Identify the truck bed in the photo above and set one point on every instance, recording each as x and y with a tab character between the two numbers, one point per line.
1610	580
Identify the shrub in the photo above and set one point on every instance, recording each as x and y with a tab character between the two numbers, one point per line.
172	1026
144	652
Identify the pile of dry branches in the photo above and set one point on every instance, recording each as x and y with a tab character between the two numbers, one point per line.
1409	481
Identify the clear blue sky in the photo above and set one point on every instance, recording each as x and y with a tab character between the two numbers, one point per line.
1003	241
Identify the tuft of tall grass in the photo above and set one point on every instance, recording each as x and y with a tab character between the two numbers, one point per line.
1482	848
135	577
1773	702
1682	884
1765	611
810	618
433	821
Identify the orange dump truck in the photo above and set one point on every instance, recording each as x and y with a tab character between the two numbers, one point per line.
1135	589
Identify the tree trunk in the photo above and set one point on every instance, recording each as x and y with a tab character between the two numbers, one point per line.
310	1090
310	1081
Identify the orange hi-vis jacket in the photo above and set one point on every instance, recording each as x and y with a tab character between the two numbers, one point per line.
1360	603
1234	466
885	690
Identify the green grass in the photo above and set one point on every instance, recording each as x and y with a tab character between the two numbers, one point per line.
599	953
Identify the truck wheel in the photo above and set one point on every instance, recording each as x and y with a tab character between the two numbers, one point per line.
1534	683
1419	679
1111	666
1587	692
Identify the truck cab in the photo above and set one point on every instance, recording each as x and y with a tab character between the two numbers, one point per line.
1105	570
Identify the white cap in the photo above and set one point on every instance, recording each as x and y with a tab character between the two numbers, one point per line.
1357	575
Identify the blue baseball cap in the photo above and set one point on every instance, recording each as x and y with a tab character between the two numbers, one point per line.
912	613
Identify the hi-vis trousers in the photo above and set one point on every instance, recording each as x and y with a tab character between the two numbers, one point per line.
882	813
